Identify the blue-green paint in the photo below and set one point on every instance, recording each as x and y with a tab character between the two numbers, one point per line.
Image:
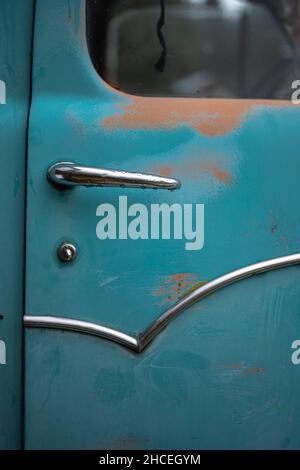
74	7
15	48
185	391
219	377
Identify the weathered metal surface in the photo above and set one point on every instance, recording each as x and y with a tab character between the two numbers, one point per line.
15	48
239	159
209	117
187	300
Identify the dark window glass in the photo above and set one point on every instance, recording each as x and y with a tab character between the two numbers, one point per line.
197	48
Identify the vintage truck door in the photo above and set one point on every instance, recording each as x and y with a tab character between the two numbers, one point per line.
219	375
15	65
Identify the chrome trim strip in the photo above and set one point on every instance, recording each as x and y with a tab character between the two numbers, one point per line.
69	174
153	330
146	337
79	326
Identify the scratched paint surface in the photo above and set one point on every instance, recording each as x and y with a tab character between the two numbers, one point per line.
221	379
241	159
15	45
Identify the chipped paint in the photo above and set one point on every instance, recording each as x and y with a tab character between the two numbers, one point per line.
210	117
177	286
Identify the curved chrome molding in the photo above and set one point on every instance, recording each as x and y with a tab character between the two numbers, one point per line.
153	330
79	326
146	337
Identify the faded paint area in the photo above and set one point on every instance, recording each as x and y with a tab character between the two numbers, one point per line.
192	169
210	117
177	286
75	121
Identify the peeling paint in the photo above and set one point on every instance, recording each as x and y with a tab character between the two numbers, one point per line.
210	117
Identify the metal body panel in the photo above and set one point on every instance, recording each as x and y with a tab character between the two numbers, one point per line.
142	341
15	65
240	159
220	379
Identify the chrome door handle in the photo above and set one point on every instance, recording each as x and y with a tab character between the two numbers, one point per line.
68	174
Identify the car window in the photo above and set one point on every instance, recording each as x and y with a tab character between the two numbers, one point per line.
196	48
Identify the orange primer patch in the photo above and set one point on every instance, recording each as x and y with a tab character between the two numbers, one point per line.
192	169
219	174
210	117
175	286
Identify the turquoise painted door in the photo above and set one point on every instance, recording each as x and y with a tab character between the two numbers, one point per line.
15	64
221	374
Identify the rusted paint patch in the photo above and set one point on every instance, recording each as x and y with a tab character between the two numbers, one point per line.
219	174
210	117
193	168
254	371
177	286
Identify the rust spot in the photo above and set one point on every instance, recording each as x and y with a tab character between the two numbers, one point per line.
181	277
177	286
254	371
210	117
